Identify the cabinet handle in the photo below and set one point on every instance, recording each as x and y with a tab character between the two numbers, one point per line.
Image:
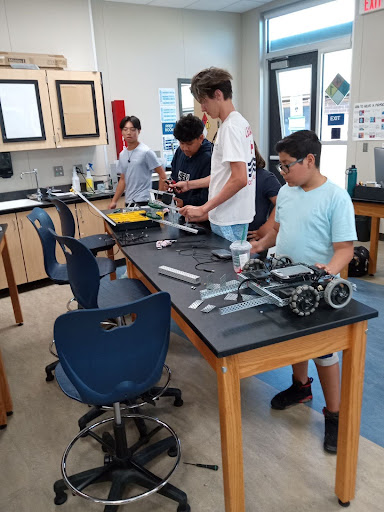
21	223
14	225
81	214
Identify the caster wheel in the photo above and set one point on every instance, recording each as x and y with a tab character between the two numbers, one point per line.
178	402
184	508
172	452
49	377
344	504
60	498
2	427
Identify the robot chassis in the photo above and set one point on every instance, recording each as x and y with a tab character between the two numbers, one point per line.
280	282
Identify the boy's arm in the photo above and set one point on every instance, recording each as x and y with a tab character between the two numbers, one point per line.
162	177
266	227
343	253
269	240
119	190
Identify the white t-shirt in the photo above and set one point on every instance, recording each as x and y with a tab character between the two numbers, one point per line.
234	143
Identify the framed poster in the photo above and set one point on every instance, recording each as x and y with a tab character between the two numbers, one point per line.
78	109
21	118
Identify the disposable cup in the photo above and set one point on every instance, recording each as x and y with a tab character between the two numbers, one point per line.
241	251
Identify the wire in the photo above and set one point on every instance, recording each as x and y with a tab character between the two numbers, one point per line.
199	255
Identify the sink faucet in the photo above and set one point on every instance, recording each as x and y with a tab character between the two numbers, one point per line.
38	194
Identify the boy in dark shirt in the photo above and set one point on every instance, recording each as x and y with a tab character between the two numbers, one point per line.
192	159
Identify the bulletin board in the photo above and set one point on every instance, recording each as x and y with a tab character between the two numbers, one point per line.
368	121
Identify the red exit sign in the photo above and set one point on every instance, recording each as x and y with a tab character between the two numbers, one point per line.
371	6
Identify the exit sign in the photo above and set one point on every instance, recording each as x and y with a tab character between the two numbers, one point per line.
367	6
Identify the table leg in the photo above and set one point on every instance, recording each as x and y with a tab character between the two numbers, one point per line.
5	396
231	437
373	245
350	413
11	283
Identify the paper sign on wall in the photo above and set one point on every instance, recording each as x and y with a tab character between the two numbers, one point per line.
368	121
168	117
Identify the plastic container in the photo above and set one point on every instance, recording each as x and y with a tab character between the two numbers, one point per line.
241	252
351	179
75	180
90	186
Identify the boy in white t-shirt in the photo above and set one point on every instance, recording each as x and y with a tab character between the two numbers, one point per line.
231	200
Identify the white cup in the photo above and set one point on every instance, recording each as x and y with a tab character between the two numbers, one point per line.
241	252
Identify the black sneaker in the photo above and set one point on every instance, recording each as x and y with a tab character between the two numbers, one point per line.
298	393
331	430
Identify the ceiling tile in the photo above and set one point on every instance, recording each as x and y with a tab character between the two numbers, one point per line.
243	5
210	5
179	4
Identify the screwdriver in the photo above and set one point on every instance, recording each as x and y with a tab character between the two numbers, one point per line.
207	466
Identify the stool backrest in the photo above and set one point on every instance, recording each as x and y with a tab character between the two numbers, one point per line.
66	218
83	271
45	228
107	366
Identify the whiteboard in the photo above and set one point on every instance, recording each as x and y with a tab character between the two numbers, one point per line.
20	111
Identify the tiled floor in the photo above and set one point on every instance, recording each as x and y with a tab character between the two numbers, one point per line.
285	466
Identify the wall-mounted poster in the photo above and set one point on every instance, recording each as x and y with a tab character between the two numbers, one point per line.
167	100
368	121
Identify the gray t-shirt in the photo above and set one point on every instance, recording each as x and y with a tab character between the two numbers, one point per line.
137	172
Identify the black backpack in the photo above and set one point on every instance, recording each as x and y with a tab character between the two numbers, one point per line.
358	265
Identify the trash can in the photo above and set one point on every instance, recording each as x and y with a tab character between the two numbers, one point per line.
363	228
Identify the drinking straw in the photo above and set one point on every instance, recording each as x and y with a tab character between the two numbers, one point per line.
244	233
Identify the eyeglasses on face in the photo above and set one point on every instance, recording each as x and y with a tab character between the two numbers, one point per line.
284	168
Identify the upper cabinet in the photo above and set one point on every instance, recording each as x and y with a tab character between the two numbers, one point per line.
47	108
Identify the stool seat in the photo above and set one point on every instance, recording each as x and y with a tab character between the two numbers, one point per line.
97	243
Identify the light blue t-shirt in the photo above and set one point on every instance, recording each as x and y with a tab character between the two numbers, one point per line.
310	222
137	166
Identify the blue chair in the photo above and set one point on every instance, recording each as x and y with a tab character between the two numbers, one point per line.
56	271
95	243
91	293
99	366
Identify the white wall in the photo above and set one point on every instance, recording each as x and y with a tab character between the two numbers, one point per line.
367	83
55	27
142	48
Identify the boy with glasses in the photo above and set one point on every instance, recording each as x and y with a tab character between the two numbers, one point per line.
231	199
315	224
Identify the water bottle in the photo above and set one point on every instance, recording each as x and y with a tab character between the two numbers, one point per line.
351	179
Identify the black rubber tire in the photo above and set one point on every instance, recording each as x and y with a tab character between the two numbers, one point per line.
172	452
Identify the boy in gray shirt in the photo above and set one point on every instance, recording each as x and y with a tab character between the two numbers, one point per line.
136	164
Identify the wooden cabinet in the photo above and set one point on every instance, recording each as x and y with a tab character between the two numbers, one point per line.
47	108
15	251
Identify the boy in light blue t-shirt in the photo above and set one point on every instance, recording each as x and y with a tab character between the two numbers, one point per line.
315	224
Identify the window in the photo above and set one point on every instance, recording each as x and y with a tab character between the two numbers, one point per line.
326	21
186	100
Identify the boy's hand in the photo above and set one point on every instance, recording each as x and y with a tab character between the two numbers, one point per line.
325	267
112	205
180	186
257	247
253	235
179	202
192	213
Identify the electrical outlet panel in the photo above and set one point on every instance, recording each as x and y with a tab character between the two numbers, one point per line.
58	170
365	147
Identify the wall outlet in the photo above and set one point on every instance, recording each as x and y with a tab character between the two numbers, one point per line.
58	170
80	167
365	147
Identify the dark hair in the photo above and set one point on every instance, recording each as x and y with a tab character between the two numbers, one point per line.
188	128
300	144
260	162
133	119
208	81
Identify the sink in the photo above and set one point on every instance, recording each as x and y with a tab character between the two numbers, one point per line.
18	203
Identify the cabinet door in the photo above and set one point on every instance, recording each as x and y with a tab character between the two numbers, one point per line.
25	109
77	106
15	252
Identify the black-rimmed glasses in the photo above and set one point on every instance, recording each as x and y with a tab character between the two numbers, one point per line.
284	168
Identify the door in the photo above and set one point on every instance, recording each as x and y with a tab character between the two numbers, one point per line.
292	99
